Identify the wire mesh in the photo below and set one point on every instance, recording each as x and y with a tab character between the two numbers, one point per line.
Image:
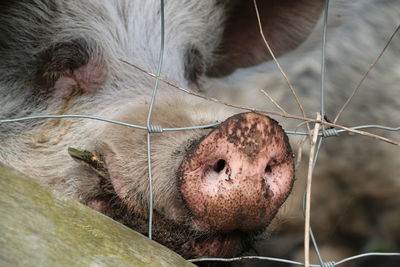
321	134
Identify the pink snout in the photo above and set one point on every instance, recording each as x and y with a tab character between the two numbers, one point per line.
238	175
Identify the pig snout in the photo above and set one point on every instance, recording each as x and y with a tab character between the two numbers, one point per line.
239	175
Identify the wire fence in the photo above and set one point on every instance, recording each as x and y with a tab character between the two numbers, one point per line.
318	137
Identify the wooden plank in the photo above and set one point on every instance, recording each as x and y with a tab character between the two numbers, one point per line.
40	228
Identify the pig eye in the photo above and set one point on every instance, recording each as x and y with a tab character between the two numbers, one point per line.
219	165
194	65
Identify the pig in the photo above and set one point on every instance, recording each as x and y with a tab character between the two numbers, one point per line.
215	190
355	194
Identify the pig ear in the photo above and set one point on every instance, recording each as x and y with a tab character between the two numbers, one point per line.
286	24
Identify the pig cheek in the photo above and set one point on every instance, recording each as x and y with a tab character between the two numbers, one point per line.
120	183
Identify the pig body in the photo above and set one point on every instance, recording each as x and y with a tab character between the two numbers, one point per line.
64	57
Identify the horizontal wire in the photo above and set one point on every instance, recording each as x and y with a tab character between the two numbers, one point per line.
370	126
369	254
251	257
330	263
109	121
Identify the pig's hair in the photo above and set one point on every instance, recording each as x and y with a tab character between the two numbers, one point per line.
106	32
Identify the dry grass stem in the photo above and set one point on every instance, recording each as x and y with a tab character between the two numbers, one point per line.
279	65
365	75
313	138
273	101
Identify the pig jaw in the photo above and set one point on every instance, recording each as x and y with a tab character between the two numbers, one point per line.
235	180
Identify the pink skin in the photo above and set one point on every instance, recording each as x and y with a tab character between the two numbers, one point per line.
89	78
239	175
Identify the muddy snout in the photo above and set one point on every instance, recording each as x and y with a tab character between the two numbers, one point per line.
239	175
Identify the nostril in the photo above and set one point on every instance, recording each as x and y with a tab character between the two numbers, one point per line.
219	165
268	169
270	165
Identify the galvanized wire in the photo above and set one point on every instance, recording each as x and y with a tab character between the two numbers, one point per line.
149	127
324	264
251	257
320	140
334	132
323	60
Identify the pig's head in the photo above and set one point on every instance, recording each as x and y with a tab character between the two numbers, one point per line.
214	189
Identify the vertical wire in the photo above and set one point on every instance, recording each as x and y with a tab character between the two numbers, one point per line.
323	60
150	178
322	104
